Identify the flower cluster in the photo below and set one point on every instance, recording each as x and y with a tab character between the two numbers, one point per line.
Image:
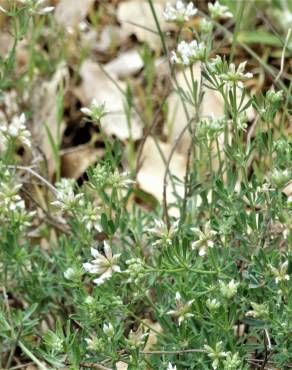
17	130
171	367
213	304
94	344
66	199
258	311
273	96
216	354
135	270
12	206
219	72
95	111
180	13
280	273
160	230
103	176
228	290
104	265
137	338
205	239
279	177
219	11
236	76
209	128
232	361
206	26
10	200
73	274
91	217
108	330
189	53
182	310
119	180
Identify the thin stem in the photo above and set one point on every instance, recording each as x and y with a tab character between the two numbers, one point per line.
178	352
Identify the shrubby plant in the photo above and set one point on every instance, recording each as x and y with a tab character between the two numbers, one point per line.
209	289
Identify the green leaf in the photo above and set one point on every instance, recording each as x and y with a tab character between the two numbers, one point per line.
259	37
104	223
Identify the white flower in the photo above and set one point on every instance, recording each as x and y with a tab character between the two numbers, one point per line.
69	273
280	177
9	198
259	310
281	273
236	76
72	273
182	311
96	111
171	367
103	265
213	304
90	217
66	199
232	361
188	53
37	6
210	127
17	130
89	300
137	338
94	344
219	11
205	25
119	180
161	231
228	290
108	330
205	239
180	13
274	97
216	354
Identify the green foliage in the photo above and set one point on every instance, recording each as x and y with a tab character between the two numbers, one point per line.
210	284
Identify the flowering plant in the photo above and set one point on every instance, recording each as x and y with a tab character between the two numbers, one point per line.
96	273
